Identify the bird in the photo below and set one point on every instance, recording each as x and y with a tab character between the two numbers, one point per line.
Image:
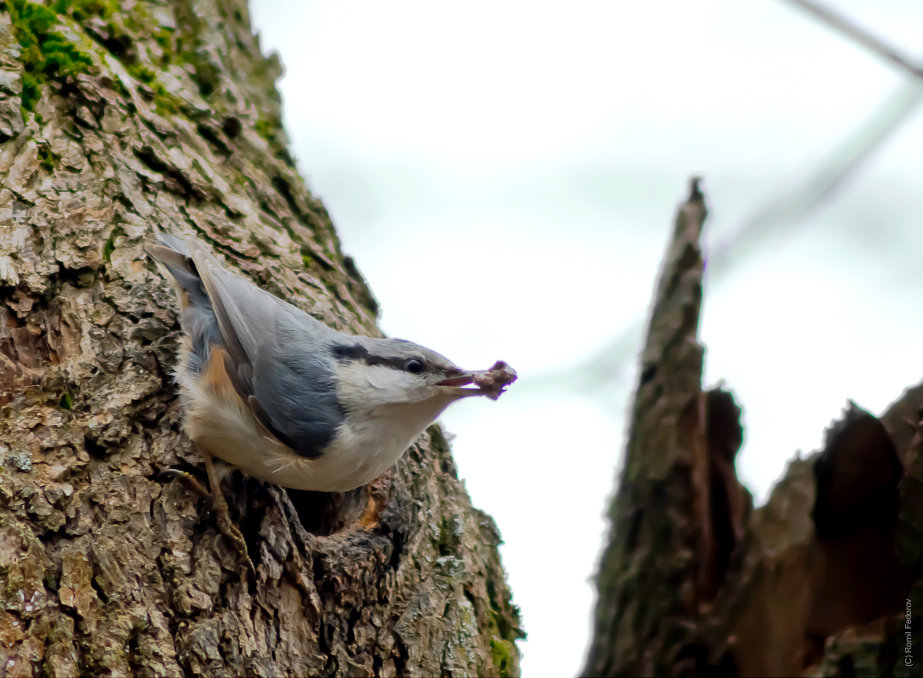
268	389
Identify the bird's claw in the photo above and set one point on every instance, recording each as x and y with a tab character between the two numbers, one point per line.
220	506
232	533
187	479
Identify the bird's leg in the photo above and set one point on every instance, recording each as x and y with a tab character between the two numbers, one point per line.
187	479
222	514
219	503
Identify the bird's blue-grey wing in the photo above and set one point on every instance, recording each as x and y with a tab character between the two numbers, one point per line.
296	390
274	357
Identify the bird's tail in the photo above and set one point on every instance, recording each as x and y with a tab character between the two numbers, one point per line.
198	314
173	253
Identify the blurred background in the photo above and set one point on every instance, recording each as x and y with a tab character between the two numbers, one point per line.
505	175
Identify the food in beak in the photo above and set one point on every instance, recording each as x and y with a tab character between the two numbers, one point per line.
490	382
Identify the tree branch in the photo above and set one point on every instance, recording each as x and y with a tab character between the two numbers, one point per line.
860	35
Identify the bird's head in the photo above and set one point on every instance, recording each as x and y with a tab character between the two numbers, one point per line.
393	373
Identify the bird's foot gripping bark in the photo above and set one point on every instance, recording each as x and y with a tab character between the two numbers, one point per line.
220	506
226	526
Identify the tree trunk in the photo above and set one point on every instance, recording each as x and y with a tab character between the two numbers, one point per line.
116	118
819	582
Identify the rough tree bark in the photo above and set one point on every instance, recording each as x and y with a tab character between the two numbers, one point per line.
822	581
116	118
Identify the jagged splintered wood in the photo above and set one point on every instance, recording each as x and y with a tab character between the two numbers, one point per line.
116	118
693	582
648	577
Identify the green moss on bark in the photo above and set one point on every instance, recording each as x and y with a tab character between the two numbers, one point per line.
46	53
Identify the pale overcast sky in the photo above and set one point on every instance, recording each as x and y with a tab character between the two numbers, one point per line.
505	174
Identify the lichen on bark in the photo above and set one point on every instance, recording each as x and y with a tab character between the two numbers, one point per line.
105	567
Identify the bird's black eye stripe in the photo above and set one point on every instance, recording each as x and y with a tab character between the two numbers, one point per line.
355	352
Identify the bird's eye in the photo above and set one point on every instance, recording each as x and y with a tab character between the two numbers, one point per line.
414	366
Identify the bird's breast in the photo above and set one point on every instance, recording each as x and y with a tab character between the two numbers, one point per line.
218	420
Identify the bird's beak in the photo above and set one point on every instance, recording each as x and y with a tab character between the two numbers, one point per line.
453	385
461	380
490	382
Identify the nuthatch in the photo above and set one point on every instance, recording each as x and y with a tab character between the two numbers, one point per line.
287	399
